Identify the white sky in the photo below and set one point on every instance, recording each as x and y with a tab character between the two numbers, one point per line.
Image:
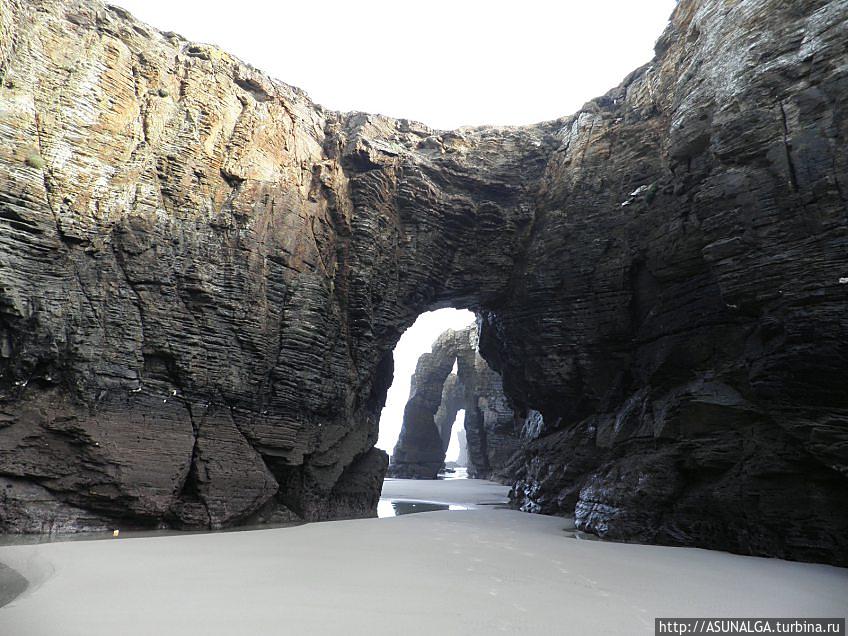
447	63
452	453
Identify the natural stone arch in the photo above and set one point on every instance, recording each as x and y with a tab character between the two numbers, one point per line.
437	395
204	273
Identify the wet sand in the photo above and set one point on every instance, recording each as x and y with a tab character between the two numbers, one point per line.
478	571
12	584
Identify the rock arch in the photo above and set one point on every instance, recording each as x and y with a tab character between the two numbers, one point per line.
203	274
437	395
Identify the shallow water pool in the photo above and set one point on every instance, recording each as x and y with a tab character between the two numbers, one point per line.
397	507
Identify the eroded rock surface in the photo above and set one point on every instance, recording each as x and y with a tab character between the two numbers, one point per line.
683	300
202	276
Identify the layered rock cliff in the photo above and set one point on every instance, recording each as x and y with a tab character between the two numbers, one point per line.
684	290
436	396
202	276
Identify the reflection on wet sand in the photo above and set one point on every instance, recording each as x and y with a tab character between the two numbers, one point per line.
396	507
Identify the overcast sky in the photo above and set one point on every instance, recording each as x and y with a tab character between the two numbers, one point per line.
446	63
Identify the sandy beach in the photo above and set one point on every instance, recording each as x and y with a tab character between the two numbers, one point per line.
478	571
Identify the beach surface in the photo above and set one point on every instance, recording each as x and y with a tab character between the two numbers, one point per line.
480	570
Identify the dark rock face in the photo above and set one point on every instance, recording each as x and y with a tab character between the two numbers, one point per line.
202	275
684	288
435	398
493	434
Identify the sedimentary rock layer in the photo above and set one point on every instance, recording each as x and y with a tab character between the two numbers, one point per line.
679	315
202	276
